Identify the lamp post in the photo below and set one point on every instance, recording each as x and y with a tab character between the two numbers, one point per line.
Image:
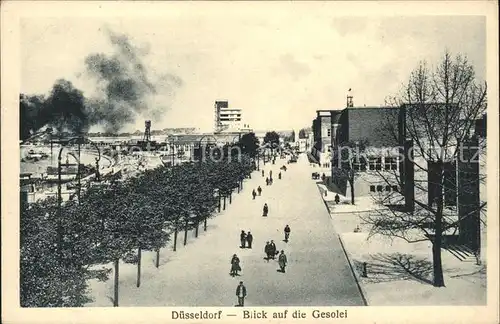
59	193
202	151
79	140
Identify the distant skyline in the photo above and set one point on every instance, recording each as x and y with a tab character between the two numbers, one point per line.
278	68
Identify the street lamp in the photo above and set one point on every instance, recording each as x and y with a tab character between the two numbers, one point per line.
79	140
202	152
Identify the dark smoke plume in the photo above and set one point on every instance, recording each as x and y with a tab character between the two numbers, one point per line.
126	87
64	110
125	92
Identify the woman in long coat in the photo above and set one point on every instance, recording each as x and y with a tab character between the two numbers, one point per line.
282	261
265	210
235	265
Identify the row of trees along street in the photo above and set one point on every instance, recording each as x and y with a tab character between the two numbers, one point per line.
442	104
118	220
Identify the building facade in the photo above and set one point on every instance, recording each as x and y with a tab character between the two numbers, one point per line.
227	118
321	148
390	162
372	153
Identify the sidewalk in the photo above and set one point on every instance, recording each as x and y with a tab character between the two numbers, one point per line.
400	273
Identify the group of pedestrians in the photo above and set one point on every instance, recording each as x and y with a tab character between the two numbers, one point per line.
246	238
269	179
256	192
271	253
270	248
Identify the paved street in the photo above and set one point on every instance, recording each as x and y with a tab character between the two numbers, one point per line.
198	273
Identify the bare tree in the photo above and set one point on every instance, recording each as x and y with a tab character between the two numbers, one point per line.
438	111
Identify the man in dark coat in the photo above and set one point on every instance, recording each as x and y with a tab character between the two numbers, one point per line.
272	249
241	292
254	194
262	173
267	181
259	190
279	176
243	237
282	261
249	239
267	251
287	233
265	210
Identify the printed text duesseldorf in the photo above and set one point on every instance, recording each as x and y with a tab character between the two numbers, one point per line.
196	315
254	314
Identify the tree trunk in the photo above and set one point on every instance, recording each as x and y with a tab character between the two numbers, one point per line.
139	257
186	232
352	191
175	236
196	229
219	204
436	261
438	236
224	206
205	224
117	273
158	258
238	188
231	197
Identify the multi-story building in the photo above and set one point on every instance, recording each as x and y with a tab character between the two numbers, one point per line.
227	118
391	161
322	135
359	130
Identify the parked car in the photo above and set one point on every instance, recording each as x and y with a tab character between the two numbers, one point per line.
315	175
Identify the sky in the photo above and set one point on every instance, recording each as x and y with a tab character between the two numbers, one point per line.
279	67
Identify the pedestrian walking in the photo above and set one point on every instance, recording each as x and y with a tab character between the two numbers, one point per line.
337	199
267	251
254	194
259	190
265	210
270	181
241	292
270	173
267	181
243	238
282	261
249	239
279	176
272	249
262	173
235	265
287	232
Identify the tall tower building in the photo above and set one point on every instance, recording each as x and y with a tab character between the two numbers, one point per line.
227	118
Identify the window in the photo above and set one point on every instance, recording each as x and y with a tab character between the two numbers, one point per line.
359	164
379	188
329	132
388	188
391	163
375	163
371	163
372	188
